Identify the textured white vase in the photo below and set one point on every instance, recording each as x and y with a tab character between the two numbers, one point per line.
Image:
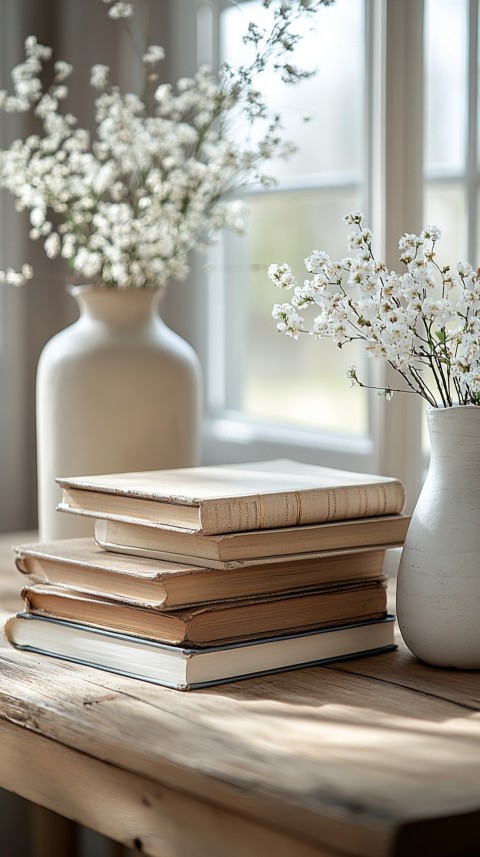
438	591
116	391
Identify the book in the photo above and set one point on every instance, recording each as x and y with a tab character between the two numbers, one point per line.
83	565
186	669
231	498
219	622
230	549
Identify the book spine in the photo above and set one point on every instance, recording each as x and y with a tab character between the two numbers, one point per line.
313	506
21	563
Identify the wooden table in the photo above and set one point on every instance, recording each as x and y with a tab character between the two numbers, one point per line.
376	756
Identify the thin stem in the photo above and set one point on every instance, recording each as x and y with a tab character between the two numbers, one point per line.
383	389
424	390
432	363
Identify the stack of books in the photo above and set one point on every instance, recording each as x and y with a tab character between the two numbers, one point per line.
202	575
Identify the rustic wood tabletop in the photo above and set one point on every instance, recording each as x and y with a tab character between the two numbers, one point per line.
372	756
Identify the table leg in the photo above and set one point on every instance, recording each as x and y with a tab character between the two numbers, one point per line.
52	834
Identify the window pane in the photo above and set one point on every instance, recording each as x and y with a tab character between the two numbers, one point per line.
299	382
445	207
446	44
478	98
332	100
270	378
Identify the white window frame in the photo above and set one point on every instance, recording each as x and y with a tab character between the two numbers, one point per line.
395	145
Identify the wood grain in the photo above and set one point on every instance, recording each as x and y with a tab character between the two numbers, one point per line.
134	810
371	756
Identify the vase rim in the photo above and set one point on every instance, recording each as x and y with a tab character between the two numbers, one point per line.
455	407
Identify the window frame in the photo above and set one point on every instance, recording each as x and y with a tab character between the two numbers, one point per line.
395	204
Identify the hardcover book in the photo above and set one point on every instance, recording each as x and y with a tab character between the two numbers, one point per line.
231	498
230	549
186	669
81	564
219	622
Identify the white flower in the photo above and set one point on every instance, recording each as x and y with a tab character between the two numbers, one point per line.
359	240
441	311
340	333
27	272
60	92
387	393
99	76
431	232
86	263
318	259
121	10
409	242
16	278
353	217
37	217
52	245
464	269
289	321
62	70
153	54
68	247
352	375
281	276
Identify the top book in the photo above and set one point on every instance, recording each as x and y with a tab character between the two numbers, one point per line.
233	498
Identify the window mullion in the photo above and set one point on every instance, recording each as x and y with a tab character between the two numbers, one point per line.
397	206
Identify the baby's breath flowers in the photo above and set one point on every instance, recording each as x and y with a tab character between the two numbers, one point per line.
125	207
16	278
424	321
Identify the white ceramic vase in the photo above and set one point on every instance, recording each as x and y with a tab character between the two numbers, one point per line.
438	591
116	391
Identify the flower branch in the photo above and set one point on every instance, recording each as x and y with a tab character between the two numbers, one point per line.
426	318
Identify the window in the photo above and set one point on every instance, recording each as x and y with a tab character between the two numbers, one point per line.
363	148
298	384
261	387
452	146
451	159
267	395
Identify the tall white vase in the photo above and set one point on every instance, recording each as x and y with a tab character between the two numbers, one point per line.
438	592
116	391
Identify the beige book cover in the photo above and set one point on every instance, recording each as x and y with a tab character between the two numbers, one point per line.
227	550
231	498
84	566
215	623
